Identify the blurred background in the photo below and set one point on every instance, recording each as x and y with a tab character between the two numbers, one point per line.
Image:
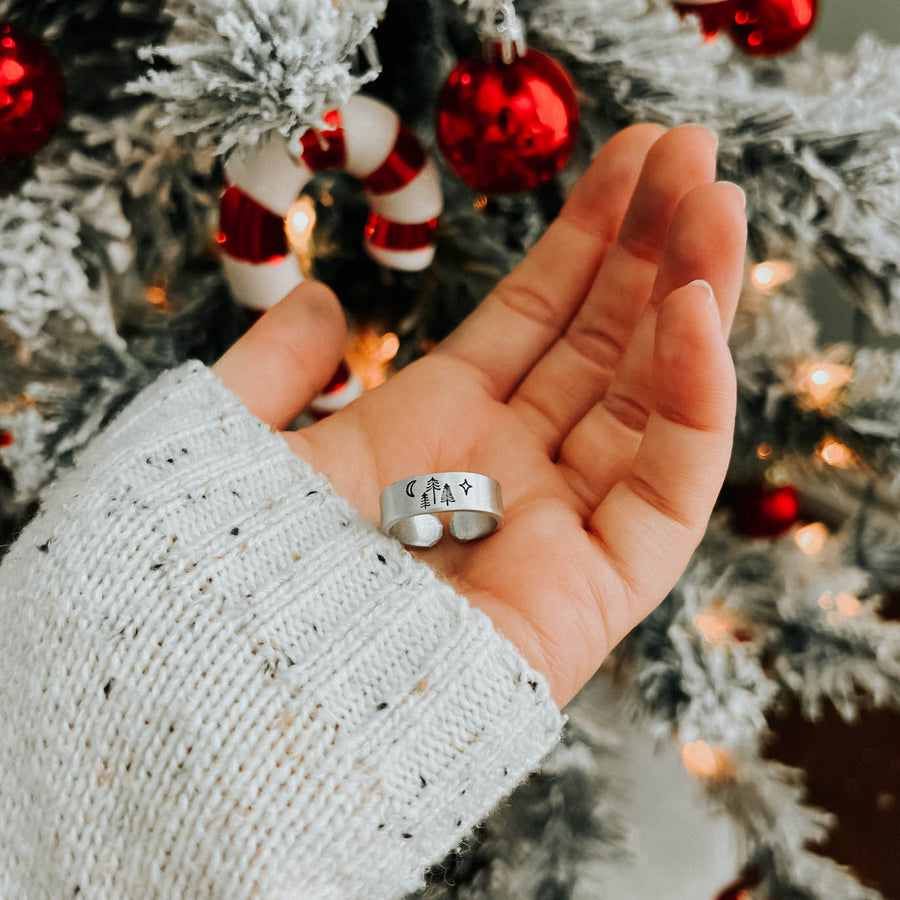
841	23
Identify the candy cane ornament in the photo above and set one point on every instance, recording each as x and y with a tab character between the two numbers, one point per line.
364	138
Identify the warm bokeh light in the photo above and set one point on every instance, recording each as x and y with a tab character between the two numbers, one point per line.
705	761
847	604
480	203
834	453
777	475
156	295
25	400
843	606
819	384
299	224
764	451
715	625
390	344
771	274
369	355
811	538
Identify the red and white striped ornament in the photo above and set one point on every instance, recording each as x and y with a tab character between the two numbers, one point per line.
343	388
366	139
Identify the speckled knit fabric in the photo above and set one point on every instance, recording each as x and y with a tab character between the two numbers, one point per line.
217	681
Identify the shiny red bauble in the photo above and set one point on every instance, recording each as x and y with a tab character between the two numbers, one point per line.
507	127
761	511
6	480
31	93
713	14
770	27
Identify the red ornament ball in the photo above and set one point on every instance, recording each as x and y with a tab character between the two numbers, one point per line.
765	512
31	93
770	27
6	438
507	127
713	14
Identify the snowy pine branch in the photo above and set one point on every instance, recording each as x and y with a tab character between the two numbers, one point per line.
750	624
812	138
233	70
774	343
168	187
61	238
112	194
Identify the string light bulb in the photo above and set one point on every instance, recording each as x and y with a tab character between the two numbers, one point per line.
718	623
155	295
811	538
369	355
702	760
844	606
768	276
847	604
714	626
299	224
832	452
819	383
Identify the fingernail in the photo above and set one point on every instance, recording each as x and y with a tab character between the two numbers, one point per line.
710	297
740	190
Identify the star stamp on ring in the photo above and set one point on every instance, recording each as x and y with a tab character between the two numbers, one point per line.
409	507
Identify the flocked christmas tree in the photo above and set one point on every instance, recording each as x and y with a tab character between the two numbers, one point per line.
117	260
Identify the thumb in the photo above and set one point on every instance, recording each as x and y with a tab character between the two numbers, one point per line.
287	357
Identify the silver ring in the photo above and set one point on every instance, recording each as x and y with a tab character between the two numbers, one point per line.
408	507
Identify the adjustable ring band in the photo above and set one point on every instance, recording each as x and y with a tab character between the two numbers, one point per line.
408	507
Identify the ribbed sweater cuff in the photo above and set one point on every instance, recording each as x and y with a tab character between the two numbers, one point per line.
264	696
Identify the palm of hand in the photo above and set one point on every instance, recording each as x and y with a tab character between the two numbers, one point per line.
534	572
604	412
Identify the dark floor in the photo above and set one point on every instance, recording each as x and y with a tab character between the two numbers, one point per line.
853	770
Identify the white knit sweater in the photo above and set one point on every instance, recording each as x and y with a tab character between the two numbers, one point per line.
217	681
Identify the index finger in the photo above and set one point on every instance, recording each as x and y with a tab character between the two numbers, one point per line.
525	313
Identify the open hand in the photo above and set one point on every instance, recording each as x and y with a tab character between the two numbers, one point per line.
594	383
